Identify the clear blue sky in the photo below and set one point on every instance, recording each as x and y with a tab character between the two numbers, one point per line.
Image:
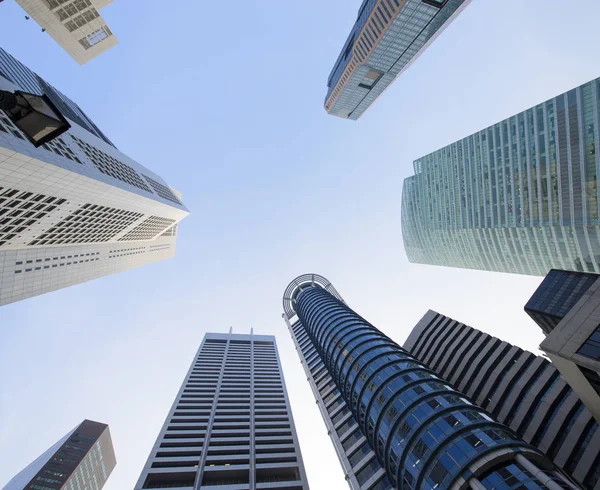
224	100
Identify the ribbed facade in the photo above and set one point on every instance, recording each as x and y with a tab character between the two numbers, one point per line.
520	196
394	423
388	35
516	387
231	424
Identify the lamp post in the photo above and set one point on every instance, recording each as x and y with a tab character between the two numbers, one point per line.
35	115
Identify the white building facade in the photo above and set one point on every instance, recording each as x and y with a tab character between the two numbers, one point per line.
231	425
76	208
75	25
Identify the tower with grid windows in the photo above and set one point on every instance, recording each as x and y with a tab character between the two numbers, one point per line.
76	208
76	25
231	424
393	422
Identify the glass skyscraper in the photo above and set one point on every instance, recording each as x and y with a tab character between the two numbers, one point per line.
393	422
388	35
520	196
231	424
82	460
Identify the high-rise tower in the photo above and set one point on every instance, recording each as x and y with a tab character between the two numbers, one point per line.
393	422
520	389
76	25
76	208
231	423
83	459
387	37
520	196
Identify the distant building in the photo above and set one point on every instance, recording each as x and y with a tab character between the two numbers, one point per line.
392	421
75	25
567	307
231	424
76	208
387	37
518	388
520	196
82	460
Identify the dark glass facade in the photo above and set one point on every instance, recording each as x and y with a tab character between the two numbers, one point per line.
556	295
83	459
424	433
591	347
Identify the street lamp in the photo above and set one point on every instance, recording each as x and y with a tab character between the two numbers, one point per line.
35	115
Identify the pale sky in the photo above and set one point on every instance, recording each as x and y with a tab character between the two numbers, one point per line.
225	101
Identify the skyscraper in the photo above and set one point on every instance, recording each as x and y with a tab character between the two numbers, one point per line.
76	208
387	37
83	459
393	423
518	388
520	196
567	307
75	25
231	423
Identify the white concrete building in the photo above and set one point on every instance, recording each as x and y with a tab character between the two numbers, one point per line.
77	208
231	425
74	24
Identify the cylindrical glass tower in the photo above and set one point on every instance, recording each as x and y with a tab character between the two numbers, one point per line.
425	434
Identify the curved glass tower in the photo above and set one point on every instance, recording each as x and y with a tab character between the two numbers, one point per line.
520	196
411	429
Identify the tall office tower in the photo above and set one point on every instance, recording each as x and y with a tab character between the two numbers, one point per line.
520	196
387	37
394	423
231	424
567	307
82	459
76	208
75	25
518	388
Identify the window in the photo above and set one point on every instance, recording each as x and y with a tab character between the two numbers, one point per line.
591	347
371	78
14	217
435	3
162	190
60	147
112	167
81	226
359	454
592	377
148	229
368	471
